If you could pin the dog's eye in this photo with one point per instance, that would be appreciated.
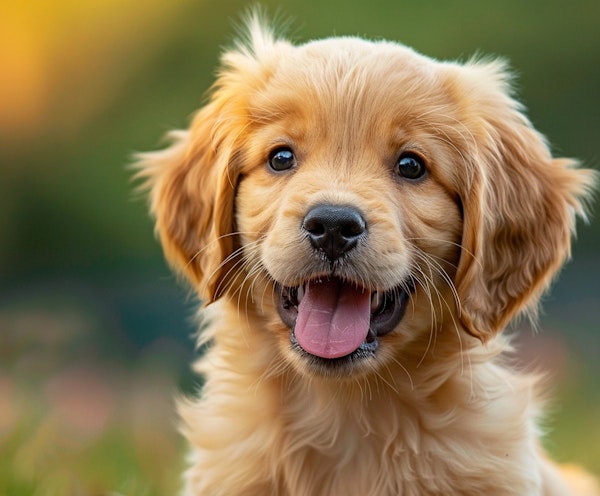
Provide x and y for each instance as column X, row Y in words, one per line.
column 282, row 159
column 410, row 166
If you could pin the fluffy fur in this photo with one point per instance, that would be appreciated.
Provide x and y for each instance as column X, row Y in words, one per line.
column 436, row 410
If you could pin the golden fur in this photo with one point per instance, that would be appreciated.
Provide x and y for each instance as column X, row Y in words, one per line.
column 436, row 410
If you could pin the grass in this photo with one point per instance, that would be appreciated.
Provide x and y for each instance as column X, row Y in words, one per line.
column 90, row 431
column 78, row 422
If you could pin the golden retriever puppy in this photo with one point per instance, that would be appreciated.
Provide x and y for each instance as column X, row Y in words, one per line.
column 361, row 222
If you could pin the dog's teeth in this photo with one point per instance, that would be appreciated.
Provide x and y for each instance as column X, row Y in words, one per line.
column 376, row 301
column 299, row 293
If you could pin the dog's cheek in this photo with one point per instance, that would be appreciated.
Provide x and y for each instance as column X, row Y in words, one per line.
column 267, row 220
column 284, row 250
column 256, row 204
column 433, row 224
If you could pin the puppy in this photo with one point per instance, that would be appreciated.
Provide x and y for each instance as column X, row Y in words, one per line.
column 361, row 222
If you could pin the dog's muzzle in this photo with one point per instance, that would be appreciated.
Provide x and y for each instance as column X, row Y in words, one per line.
column 332, row 318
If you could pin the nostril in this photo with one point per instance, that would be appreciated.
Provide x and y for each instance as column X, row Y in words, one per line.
column 314, row 225
column 334, row 229
column 353, row 227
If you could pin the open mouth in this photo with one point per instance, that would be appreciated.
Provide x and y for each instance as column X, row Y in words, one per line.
column 334, row 319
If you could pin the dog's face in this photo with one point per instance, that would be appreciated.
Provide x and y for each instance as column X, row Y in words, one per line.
column 357, row 197
column 344, row 209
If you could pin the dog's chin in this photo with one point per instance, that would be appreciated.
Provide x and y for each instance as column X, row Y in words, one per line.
column 379, row 314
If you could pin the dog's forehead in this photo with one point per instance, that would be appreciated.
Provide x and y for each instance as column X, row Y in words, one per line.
column 352, row 63
column 352, row 79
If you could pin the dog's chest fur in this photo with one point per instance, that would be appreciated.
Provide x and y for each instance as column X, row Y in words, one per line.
column 296, row 436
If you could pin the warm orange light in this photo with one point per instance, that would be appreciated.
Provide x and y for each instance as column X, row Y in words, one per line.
column 61, row 61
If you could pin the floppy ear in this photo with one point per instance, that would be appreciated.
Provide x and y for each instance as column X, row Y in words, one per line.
column 191, row 189
column 519, row 207
column 192, row 183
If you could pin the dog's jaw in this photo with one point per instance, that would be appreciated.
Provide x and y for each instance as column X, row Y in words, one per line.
column 348, row 326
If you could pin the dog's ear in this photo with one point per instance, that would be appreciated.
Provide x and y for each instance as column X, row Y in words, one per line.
column 192, row 183
column 519, row 205
column 191, row 189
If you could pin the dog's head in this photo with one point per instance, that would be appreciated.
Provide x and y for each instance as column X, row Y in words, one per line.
column 357, row 196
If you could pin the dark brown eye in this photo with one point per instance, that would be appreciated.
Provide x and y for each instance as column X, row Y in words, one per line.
column 282, row 159
column 410, row 166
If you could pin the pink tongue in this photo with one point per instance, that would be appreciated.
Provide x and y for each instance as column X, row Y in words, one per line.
column 333, row 318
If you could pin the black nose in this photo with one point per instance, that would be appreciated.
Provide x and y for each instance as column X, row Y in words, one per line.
column 334, row 229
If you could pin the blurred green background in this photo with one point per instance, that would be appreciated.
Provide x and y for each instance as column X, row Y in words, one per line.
column 95, row 333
